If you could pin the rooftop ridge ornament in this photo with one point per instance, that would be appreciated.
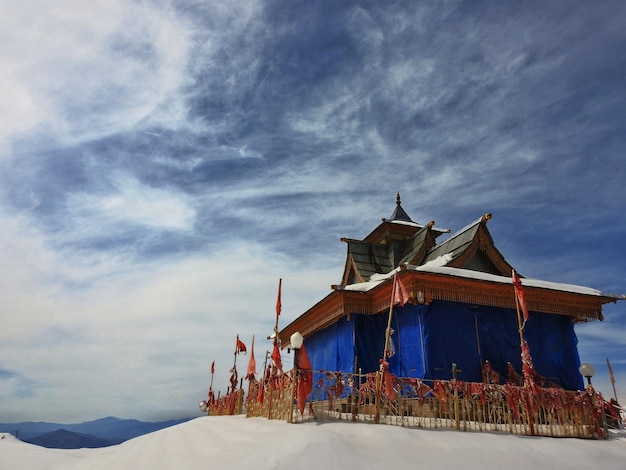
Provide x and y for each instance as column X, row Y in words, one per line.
column 399, row 213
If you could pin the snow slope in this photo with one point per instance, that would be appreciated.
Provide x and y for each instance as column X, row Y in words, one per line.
column 234, row 442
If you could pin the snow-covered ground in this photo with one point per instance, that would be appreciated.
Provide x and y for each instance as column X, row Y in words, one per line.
column 234, row 442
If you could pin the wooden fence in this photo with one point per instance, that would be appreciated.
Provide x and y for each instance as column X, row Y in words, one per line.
column 231, row 404
column 421, row 403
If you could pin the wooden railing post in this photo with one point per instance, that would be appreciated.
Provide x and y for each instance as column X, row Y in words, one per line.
column 292, row 394
column 457, row 422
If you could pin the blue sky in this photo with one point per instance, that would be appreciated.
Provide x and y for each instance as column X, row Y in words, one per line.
column 164, row 163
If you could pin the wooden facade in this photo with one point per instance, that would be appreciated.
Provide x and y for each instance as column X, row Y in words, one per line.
column 435, row 286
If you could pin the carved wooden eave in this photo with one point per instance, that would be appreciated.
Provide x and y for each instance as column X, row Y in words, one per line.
column 327, row 311
column 436, row 286
column 350, row 268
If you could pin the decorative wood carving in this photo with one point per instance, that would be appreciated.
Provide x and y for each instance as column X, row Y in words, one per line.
column 436, row 286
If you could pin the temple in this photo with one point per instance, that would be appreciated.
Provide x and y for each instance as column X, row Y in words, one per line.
column 461, row 309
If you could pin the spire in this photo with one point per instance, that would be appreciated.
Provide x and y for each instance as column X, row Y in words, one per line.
column 399, row 213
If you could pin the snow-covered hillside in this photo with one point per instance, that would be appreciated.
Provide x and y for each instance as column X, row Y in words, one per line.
column 234, row 442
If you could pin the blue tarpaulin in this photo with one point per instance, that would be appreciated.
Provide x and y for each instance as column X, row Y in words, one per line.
column 428, row 338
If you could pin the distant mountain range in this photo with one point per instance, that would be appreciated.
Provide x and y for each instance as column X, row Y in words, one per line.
column 62, row 439
column 99, row 433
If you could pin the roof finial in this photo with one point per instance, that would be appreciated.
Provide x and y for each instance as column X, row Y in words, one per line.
column 398, row 198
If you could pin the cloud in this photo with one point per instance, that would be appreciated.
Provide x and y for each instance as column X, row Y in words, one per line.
column 72, row 73
column 15, row 386
column 157, row 159
column 133, row 203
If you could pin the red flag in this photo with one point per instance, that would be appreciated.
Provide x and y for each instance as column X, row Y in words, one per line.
column 240, row 348
column 276, row 356
column 305, row 378
column 610, row 372
column 519, row 292
column 388, row 381
column 261, row 396
column 213, row 367
column 398, row 293
column 279, row 305
column 251, row 363
column 265, row 380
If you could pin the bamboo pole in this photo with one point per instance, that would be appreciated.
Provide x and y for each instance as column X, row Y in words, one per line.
column 456, row 398
column 379, row 375
column 292, row 394
column 531, row 427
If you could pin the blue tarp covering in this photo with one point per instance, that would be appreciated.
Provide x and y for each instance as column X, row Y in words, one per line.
column 429, row 338
column 332, row 349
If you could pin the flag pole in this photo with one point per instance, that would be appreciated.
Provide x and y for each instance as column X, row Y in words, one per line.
column 211, row 395
column 528, row 380
column 236, row 349
column 379, row 375
column 398, row 292
column 276, row 349
column 278, row 305
column 519, row 319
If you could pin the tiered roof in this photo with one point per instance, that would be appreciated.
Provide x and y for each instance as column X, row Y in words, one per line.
column 466, row 267
column 400, row 241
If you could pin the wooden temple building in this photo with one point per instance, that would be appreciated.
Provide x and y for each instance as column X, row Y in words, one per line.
column 461, row 309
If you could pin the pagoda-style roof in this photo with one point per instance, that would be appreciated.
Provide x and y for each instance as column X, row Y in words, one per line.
column 399, row 241
column 466, row 267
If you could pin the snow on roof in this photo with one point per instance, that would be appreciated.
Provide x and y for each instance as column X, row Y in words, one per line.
column 466, row 273
column 415, row 224
column 438, row 266
column 403, row 222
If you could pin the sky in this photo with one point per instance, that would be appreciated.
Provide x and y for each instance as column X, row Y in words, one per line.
column 219, row 440
column 164, row 163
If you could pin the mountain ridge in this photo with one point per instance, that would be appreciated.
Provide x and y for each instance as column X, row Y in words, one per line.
column 114, row 430
column 63, row 439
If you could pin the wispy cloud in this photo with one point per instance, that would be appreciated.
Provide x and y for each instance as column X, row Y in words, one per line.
column 162, row 164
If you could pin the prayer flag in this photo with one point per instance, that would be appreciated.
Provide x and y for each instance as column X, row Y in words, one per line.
column 519, row 292
column 399, row 294
column 241, row 348
column 278, row 302
column 388, row 381
column 610, row 372
column 305, row 378
column 251, row 363
column 276, row 356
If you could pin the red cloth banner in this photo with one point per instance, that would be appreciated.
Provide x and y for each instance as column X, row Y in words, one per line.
column 276, row 357
column 388, row 381
column 610, row 372
column 279, row 304
column 305, row 378
column 240, row 348
column 251, row 363
column 519, row 292
column 399, row 294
